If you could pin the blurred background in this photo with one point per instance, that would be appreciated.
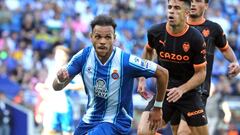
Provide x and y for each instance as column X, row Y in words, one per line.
column 30, row 29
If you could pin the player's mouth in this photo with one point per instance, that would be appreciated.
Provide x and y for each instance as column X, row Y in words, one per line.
column 171, row 18
column 102, row 48
column 193, row 9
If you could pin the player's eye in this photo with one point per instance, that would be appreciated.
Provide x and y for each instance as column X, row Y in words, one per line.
column 108, row 37
column 177, row 7
column 97, row 37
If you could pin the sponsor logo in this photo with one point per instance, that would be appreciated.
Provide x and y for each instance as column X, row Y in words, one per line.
column 189, row 114
column 173, row 56
column 137, row 60
column 100, row 89
column 115, row 75
column 204, row 52
column 162, row 42
column 144, row 63
column 186, row 46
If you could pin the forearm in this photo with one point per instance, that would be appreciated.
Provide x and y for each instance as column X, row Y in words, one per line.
column 196, row 80
column 59, row 85
column 162, row 82
column 148, row 53
column 230, row 56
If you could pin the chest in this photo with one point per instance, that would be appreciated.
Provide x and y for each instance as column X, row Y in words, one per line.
column 174, row 49
column 210, row 35
column 101, row 76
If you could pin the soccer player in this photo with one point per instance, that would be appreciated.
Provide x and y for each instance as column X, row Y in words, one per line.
column 108, row 75
column 180, row 49
column 57, row 106
column 214, row 37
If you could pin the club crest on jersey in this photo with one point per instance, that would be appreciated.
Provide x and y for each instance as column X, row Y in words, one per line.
column 206, row 32
column 115, row 75
column 186, row 46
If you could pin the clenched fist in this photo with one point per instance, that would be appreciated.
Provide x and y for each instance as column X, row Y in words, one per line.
column 62, row 75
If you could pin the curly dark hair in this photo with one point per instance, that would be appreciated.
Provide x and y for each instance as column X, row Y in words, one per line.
column 103, row 20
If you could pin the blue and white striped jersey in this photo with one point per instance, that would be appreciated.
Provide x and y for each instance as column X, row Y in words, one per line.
column 109, row 86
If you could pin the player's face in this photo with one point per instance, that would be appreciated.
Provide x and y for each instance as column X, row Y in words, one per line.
column 177, row 12
column 103, row 38
column 198, row 8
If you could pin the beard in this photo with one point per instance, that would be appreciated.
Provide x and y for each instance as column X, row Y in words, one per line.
column 194, row 15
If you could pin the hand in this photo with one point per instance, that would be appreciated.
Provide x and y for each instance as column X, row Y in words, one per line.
column 234, row 69
column 141, row 88
column 63, row 75
column 155, row 119
column 174, row 94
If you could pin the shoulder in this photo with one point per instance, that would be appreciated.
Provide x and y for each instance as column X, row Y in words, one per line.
column 127, row 57
column 84, row 51
column 195, row 33
column 214, row 25
column 157, row 28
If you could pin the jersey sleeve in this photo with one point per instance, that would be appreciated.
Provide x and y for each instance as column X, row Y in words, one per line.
column 220, row 40
column 138, row 67
column 199, row 50
column 75, row 65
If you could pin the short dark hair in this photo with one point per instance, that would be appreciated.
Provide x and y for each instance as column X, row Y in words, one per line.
column 187, row 2
column 206, row 1
column 103, row 20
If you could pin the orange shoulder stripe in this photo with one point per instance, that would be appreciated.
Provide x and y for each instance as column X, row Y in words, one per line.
column 224, row 48
column 200, row 65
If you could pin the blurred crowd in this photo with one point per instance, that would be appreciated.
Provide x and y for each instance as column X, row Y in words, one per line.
column 30, row 29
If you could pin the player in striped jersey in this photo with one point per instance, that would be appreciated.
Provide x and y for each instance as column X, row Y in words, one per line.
column 108, row 75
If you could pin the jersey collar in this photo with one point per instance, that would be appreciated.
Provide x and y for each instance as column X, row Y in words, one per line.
column 178, row 34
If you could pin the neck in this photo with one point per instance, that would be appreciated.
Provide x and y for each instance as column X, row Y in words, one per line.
column 103, row 59
column 196, row 20
column 177, row 29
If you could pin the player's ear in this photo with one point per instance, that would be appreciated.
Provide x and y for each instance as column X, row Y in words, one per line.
column 91, row 36
column 187, row 12
column 206, row 6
